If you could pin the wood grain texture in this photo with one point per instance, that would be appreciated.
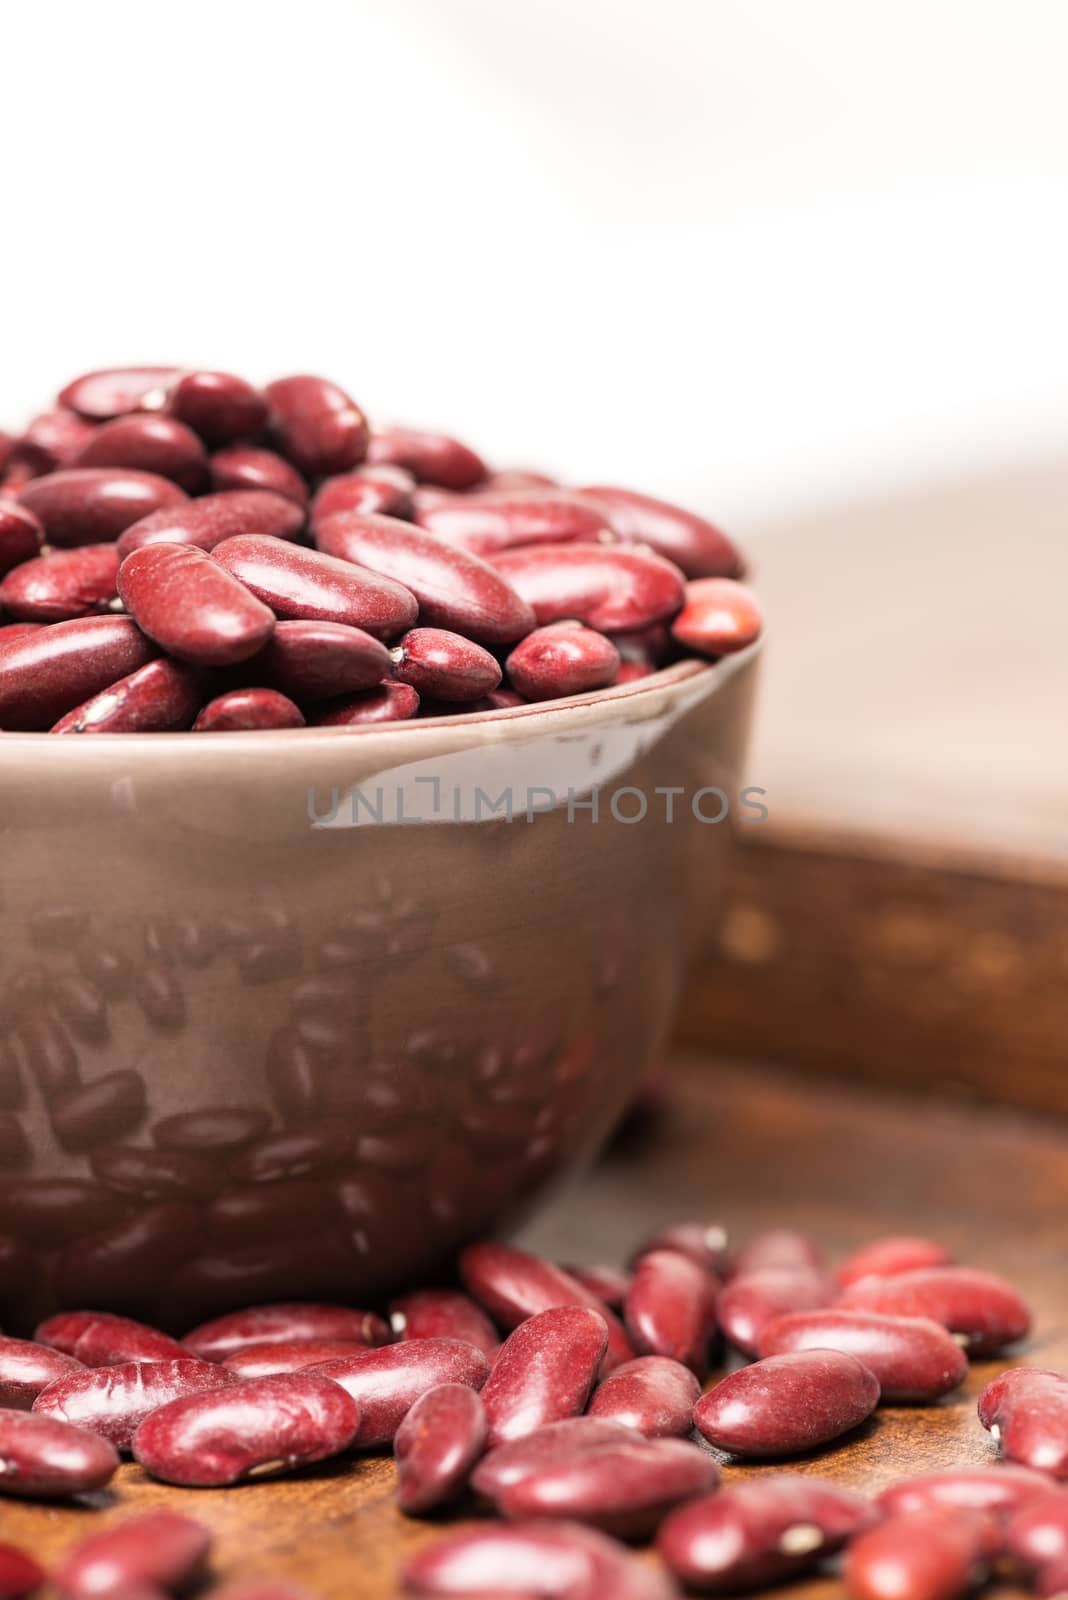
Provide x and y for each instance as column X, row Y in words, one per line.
column 755, row 1149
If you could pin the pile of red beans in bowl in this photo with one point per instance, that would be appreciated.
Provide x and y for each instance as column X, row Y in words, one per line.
column 567, row 1402
column 180, row 550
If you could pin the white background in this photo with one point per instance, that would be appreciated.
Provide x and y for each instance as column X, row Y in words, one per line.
column 752, row 253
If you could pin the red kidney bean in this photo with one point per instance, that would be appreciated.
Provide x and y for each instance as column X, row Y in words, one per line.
column 245, row 710
column 437, row 1445
column 611, row 588
column 442, row 664
column 81, row 1007
column 887, row 1258
column 778, row 1249
column 154, row 1175
column 624, row 1488
column 86, row 1116
column 214, row 517
column 786, row 1404
column 18, row 630
column 113, row 1401
column 52, row 440
column 130, row 1261
column 928, row 1555
column 386, row 1383
column 718, row 617
column 697, row 546
column 43, row 1459
column 670, row 1309
column 533, row 1561
column 430, row 457
column 455, row 590
column 915, row 1360
column 282, row 1324
column 704, row 1243
column 1036, row 1534
column 157, row 1547
column 289, row 1355
column 654, row 1395
column 984, row 1308
column 192, row 606
column 243, row 467
column 46, row 674
column 309, row 586
column 281, row 1157
column 48, row 1051
column 146, row 443
column 255, row 1428
column 49, row 1211
column 102, row 1339
column 21, row 535
column 996, row 1490
column 506, row 519
column 212, row 1129
column 605, row 1283
column 26, row 1368
column 382, row 489
column 248, row 1212
column 759, row 1533
column 514, row 1285
column 19, row 1573
column 93, row 505
column 556, row 1441
column 390, row 702
column 163, row 697
column 114, row 391
column 319, row 427
column 1026, row 1410
column 632, row 672
column 748, row 1303
column 216, row 405
column 561, row 660
column 443, row 1314
column 544, row 1371
column 55, row 588
column 320, row 660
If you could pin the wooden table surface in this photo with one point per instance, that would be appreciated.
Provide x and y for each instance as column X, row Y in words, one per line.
column 755, row 1149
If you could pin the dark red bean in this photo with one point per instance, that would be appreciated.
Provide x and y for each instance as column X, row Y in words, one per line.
column 604, row 1283
column 255, row 1428
column 320, row 660
column 984, row 1308
column 101, row 1339
column 213, row 1129
column 886, row 1258
column 697, row 546
column 19, row 1573
column 26, row 1368
column 21, row 535
column 214, row 517
column 513, row 1285
column 319, row 427
column 284, row 1323
column 533, row 1561
column 154, row 1175
column 544, row 1371
column 915, row 1360
column 130, row 1262
column 289, row 1355
column 43, row 1459
column 748, row 1303
column 245, row 467
column 157, row 1547
column 443, row 1314
column 309, row 586
column 163, row 697
column 386, row 1383
column 1036, row 1534
column 437, row 1445
column 443, row 665
column 48, row 1051
column 755, row 1534
column 611, row 588
column 653, row 1395
column 46, row 674
column 383, row 489
column 624, row 1488
column 49, row 1211
column 245, row 710
column 556, row 1441
column 216, row 405
column 282, row 1157
column 561, row 660
column 390, row 702
column 779, row 1249
column 98, row 1111
column 702, row 1242
column 455, row 589
column 1026, row 1410
column 81, row 1006
column 93, row 505
column 14, row 1145
column 69, row 583
column 193, row 606
column 670, row 1309
column 430, row 457
column 147, row 444
column 997, row 1490
column 505, row 519
column 113, row 1401
column 246, row 1213
column 929, row 1555
column 160, row 996
column 52, row 439
column 115, row 391
column 718, row 617
column 787, row 1404
column 106, row 967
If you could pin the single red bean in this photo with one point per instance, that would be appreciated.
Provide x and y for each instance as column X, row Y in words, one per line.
column 214, row 517
column 18, row 630
column 437, row 1445
column 147, row 444
column 984, row 1308
column 104, row 1109
column 246, row 710
column 21, row 535
column 27, row 1367
column 213, row 1129
column 611, row 588
column 113, row 1401
column 887, row 1258
column 192, row 606
column 997, row 1490
column 632, row 672
column 561, row 660
column 915, row 1360
column 154, row 1175
column 157, row 1547
column 48, row 1051
column 748, row 1303
column 163, row 697
column 704, row 1243
column 52, row 440
column 786, row 1404
column 255, row 1428
column 1036, row 1534
column 430, row 457
column 386, row 1383
column 45, row 674
column 93, row 505
column 320, row 660
column 928, row 1555
column 443, row 1314
column 505, row 519
column 243, row 467
column 1026, row 1410
column 670, row 1309
column 654, row 1395
column 319, row 427
column 114, row 391
column 779, row 1249
column 756, row 1534
column 43, row 1459
column 69, row 583
column 514, row 1285
column 443, row 665
column 718, row 616
column 310, row 586
column 19, row 1573
column 454, row 589
column 624, row 1488
column 556, row 1441
column 390, row 702
column 282, row 1324
column 49, row 1211
column 697, row 546
column 607, row 1284
column 101, row 1339
column 533, row 1561
column 382, row 489
column 216, row 405
column 544, row 1371
column 289, row 1355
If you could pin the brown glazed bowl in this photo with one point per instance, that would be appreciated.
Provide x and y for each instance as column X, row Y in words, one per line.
column 265, row 1034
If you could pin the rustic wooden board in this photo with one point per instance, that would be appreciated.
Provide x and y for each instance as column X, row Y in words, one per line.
column 756, row 1149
